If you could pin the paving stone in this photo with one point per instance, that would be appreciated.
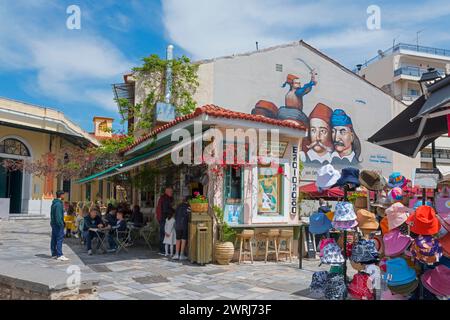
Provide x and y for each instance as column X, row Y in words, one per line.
column 145, row 296
column 111, row 295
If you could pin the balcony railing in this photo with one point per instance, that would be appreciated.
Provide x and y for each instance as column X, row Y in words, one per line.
column 410, row 47
column 439, row 154
column 413, row 71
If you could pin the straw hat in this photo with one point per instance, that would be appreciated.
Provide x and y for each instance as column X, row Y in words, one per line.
column 372, row 180
column 366, row 220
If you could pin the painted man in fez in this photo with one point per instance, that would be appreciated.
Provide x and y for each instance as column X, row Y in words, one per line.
column 319, row 145
column 347, row 147
column 294, row 97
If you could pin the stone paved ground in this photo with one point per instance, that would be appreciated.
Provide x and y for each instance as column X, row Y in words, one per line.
column 142, row 274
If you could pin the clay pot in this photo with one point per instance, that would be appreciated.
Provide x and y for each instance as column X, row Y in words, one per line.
column 224, row 252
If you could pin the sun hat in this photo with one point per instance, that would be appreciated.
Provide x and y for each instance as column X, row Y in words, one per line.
column 396, row 214
column 318, row 281
column 327, row 176
column 384, row 225
column 365, row 252
column 330, row 215
column 319, row 223
column 366, row 220
column 397, row 180
column 344, row 225
column 424, row 221
column 382, row 202
column 335, row 288
column 426, row 249
column 395, row 243
column 359, row 287
column 395, row 194
column 332, row 254
column 405, row 289
column 349, row 175
column 388, row 295
column 372, row 180
column 323, row 243
column 398, row 272
column 344, row 212
column 437, row 280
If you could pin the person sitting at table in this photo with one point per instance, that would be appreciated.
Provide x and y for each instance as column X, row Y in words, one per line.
column 79, row 221
column 69, row 219
column 110, row 216
column 92, row 221
column 137, row 217
column 121, row 225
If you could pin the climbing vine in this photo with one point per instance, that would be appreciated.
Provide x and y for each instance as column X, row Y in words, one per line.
column 152, row 77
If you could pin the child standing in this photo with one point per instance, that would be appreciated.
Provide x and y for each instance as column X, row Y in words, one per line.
column 169, row 229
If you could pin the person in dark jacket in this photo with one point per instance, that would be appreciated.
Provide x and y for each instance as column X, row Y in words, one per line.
column 137, row 217
column 165, row 205
column 57, row 224
column 120, row 225
column 93, row 220
column 181, row 228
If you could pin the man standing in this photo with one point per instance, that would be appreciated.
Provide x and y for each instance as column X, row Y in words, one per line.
column 346, row 144
column 163, row 208
column 294, row 97
column 181, row 229
column 319, row 146
column 57, row 224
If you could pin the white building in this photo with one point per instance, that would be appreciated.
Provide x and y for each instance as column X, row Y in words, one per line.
column 266, row 77
column 397, row 71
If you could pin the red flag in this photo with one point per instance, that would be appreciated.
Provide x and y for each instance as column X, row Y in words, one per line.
column 448, row 124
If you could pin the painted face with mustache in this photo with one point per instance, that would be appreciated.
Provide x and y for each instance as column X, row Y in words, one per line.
column 342, row 140
column 320, row 136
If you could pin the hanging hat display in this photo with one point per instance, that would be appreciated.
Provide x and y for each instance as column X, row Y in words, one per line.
column 395, row 194
column 437, row 281
column 365, row 252
column 395, row 243
column 424, row 221
column 384, row 225
column 319, row 223
column 335, row 288
column 396, row 214
column 426, row 249
column 404, row 289
column 327, row 176
column 397, row 180
column 398, row 272
column 323, row 243
column 372, row 180
column 344, row 212
column 349, row 176
column 332, row 254
column 318, row 281
column 366, row 220
column 359, row 287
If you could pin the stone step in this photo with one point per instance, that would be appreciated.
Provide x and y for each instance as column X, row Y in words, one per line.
column 27, row 217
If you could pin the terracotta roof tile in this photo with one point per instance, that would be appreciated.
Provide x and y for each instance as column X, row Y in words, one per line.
column 216, row 111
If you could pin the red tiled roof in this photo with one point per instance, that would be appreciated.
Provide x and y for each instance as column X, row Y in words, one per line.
column 215, row 111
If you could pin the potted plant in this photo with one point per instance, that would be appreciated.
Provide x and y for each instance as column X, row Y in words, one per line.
column 224, row 248
column 199, row 203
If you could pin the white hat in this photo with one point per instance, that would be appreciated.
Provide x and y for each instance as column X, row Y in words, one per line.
column 327, row 176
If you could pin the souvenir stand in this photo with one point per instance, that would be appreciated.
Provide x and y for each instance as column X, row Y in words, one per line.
column 414, row 246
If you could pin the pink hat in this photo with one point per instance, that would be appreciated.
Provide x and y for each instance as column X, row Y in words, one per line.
column 396, row 215
column 388, row 295
column 395, row 243
column 437, row 280
column 396, row 194
column 323, row 243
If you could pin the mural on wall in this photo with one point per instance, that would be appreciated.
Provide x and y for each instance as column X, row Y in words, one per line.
column 331, row 136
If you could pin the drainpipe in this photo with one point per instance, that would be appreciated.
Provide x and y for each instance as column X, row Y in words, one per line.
column 169, row 57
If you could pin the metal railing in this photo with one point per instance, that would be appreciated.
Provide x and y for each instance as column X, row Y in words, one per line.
column 406, row 46
column 413, row 71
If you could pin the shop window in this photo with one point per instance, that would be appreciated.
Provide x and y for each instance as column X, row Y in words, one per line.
column 270, row 191
column 233, row 185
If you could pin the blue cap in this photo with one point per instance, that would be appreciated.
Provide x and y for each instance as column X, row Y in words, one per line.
column 340, row 118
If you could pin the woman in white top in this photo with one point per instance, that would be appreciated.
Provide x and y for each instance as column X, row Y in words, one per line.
column 170, row 237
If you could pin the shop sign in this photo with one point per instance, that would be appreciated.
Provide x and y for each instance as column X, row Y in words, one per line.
column 294, row 179
column 273, row 149
column 426, row 178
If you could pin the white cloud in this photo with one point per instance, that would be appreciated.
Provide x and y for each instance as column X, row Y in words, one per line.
column 66, row 63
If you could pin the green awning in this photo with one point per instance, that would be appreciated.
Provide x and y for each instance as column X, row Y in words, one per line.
column 119, row 167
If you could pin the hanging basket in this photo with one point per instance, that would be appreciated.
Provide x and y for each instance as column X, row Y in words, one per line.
column 199, row 207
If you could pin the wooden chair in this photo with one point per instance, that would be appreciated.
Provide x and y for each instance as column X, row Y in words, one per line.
column 287, row 236
column 246, row 238
column 270, row 240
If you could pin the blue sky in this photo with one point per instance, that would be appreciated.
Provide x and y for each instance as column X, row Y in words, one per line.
column 44, row 63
